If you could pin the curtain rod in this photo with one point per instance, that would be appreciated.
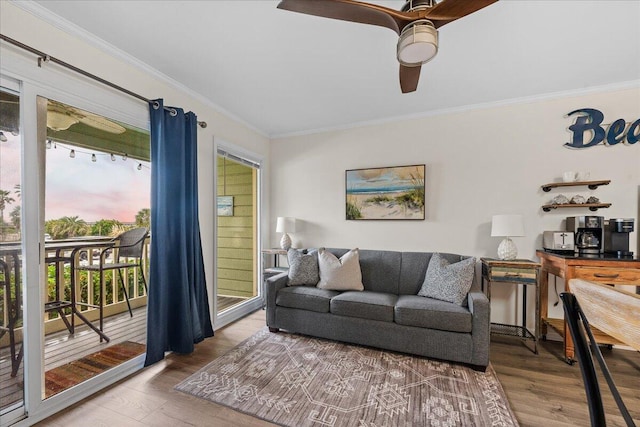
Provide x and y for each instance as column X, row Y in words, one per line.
column 43, row 57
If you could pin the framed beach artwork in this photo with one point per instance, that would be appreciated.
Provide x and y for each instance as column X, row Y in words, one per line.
column 225, row 205
column 386, row 193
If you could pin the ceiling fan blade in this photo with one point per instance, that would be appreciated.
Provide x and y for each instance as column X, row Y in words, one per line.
column 449, row 10
column 100, row 123
column 353, row 11
column 409, row 77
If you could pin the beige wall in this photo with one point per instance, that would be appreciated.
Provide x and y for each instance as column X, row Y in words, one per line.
column 478, row 163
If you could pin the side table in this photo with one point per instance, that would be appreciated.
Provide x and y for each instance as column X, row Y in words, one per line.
column 517, row 271
column 272, row 271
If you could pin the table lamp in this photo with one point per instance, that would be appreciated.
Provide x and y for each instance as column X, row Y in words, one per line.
column 507, row 226
column 285, row 225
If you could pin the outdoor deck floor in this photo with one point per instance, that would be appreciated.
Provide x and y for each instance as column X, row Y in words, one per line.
column 61, row 348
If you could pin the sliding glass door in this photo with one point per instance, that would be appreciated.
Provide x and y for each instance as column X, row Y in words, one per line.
column 97, row 188
column 237, row 261
column 11, row 256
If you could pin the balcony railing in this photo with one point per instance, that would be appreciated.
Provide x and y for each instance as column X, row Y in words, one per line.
column 86, row 284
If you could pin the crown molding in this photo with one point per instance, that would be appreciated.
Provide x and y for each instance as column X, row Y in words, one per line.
column 633, row 84
column 74, row 30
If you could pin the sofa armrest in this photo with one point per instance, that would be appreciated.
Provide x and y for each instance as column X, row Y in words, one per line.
column 480, row 309
column 274, row 284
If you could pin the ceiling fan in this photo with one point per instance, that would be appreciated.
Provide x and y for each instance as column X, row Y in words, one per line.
column 416, row 23
column 61, row 117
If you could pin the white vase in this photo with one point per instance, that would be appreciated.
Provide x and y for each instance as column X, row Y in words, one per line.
column 285, row 242
column 507, row 249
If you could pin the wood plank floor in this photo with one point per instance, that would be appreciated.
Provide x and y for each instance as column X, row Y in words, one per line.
column 542, row 389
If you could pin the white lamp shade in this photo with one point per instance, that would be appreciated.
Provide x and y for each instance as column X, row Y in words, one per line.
column 507, row 226
column 286, row 224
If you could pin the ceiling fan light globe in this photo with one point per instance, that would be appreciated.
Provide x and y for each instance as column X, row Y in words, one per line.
column 418, row 44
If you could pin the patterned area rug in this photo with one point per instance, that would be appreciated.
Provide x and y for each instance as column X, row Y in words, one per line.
column 73, row 373
column 296, row 381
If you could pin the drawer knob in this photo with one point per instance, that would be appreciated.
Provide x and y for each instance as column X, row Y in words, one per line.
column 606, row 276
column 512, row 275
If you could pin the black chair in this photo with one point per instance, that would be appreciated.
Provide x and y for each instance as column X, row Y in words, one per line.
column 13, row 315
column 129, row 244
column 574, row 315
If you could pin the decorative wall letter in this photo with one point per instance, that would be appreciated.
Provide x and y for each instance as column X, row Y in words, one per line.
column 589, row 120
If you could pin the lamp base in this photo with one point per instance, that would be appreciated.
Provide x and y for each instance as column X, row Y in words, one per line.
column 285, row 242
column 507, row 249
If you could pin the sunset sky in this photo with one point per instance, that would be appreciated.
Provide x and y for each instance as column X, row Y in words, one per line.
column 79, row 187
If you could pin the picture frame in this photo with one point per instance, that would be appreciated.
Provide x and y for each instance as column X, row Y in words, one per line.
column 385, row 193
column 225, row 205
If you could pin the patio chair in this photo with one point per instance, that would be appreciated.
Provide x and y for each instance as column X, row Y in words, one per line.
column 129, row 244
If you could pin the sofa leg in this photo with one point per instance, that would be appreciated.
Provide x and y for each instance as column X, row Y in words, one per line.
column 274, row 329
column 478, row 368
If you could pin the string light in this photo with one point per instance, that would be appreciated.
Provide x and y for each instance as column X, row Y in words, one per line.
column 94, row 156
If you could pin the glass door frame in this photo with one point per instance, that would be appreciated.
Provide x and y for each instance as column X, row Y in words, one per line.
column 19, row 408
column 255, row 303
column 70, row 89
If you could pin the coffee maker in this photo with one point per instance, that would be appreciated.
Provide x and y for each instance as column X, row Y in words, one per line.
column 616, row 237
column 589, row 233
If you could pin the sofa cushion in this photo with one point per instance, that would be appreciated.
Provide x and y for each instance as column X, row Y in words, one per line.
column 366, row 305
column 303, row 267
column 305, row 298
column 340, row 274
column 414, row 310
column 448, row 281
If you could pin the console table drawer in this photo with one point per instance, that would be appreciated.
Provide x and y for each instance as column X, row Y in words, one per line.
column 630, row 276
column 509, row 274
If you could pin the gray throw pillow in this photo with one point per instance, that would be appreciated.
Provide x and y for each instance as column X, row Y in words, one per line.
column 303, row 267
column 448, row 282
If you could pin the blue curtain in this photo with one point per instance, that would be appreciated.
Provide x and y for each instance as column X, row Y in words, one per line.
column 178, row 305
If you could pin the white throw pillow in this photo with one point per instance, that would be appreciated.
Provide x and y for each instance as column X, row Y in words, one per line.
column 340, row 274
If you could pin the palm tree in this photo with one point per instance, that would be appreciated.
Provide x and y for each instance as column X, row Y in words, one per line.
column 15, row 217
column 5, row 199
column 67, row 226
column 143, row 217
column 104, row 227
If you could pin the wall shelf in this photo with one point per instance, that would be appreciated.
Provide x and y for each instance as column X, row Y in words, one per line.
column 592, row 206
column 591, row 184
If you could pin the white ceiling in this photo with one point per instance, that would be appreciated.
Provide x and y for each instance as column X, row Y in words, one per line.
column 283, row 72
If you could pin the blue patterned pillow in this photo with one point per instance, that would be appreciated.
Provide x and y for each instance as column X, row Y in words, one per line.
column 303, row 267
column 448, row 282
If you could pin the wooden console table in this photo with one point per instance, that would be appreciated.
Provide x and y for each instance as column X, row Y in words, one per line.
column 602, row 269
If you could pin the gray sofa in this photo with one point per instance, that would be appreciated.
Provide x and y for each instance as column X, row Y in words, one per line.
column 388, row 314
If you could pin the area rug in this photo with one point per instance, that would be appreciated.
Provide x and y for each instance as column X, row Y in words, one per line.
column 73, row 373
column 296, row 381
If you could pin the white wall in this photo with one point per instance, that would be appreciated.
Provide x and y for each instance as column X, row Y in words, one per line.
column 478, row 163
